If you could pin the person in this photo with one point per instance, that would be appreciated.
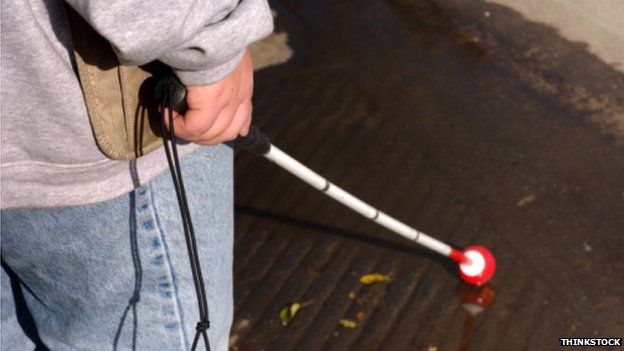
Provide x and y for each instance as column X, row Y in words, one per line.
column 93, row 250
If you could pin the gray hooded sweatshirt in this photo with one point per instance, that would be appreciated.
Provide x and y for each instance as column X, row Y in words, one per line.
column 49, row 154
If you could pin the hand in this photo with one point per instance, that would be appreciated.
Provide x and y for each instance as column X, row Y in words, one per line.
column 220, row 111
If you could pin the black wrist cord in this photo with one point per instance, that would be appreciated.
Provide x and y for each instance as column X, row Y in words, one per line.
column 189, row 233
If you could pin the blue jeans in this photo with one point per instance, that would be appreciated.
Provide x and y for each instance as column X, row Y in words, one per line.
column 115, row 275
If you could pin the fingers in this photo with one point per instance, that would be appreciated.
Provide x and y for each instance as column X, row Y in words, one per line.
column 226, row 126
column 240, row 120
column 245, row 130
column 197, row 121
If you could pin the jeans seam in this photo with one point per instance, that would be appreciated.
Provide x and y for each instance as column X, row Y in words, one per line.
column 161, row 231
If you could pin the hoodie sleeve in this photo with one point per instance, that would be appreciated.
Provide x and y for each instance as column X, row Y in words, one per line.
column 202, row 40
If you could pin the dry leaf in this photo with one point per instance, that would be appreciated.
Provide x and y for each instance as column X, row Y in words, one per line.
column 360, row 316
column 288, row 313
column 352, row 295
column 374, row 278
column 347, row 323
column 285, row 315
column 525, row 200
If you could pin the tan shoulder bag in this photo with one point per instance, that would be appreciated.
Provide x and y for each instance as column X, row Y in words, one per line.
column 117, row 97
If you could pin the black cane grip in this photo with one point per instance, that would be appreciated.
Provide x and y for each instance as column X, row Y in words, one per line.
column 255, row 142
column 170, row 85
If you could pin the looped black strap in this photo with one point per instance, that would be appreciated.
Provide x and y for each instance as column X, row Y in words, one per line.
column 134, row 299
column 166, row 97
column 203, row 326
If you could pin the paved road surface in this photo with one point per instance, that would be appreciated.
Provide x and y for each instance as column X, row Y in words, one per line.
column 465, row 120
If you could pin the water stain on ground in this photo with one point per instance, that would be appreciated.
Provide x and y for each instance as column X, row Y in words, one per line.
column 474, row 300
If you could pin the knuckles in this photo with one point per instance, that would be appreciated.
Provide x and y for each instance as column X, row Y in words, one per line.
column 230, row 135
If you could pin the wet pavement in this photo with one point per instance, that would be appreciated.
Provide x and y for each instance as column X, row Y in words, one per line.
column 466, row 121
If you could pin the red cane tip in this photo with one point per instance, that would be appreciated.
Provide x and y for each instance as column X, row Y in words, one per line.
column 458, row 256
column 481, row 266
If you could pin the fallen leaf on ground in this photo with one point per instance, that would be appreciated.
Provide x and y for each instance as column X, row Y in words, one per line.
column 347, row 323
column 368, row 279
column 525, row 200
column 360, row 316
column 288, row 313
column 352, row 295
